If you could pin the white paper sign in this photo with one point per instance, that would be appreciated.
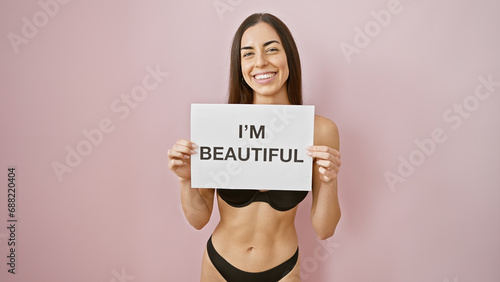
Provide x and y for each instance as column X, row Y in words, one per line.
column 252, row 146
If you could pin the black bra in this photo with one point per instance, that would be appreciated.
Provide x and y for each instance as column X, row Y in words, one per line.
column 278, row 200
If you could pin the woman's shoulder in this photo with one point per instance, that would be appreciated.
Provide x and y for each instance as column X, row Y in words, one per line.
column 326, row 131
column 322, row 123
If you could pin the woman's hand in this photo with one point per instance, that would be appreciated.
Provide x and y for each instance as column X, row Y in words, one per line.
column 180, row 158
column 328, row 160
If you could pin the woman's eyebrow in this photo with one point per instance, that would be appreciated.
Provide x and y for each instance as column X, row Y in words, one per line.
column 270, row 42
column 265, row 44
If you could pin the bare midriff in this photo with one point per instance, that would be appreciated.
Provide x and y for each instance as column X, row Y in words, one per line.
column 256, row 237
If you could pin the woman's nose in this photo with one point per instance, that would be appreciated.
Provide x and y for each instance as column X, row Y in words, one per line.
column 261, row 60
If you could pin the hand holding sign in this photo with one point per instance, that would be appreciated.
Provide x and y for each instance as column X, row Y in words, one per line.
column 328, row 160
column 180, row 158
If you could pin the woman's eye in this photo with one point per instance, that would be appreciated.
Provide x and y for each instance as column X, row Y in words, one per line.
column 272, row 50
column 247, row 54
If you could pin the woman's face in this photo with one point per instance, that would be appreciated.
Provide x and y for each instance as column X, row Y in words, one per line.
column 263, row 61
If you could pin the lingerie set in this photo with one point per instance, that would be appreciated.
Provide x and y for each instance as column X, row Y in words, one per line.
column 279, row 200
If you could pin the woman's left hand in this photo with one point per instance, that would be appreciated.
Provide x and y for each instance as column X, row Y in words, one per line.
column 328, row 160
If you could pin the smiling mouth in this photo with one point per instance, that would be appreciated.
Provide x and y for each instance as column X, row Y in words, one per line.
column 263, row 76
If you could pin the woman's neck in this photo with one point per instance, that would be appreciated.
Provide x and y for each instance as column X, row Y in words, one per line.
column 280, row 98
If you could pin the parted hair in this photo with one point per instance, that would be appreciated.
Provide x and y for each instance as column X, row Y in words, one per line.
column 239, row 91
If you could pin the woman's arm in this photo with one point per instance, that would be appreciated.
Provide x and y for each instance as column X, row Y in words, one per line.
column 197, row 204
column 325, row 212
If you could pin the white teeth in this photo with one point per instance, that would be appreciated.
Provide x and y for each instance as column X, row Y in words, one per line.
column 265, row 75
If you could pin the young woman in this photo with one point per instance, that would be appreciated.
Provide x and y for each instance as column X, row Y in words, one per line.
column 256, row 239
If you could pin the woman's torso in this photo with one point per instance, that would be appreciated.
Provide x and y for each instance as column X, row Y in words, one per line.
column 260, row 232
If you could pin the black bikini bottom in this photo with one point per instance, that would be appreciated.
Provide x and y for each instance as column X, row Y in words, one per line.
column 233, row 274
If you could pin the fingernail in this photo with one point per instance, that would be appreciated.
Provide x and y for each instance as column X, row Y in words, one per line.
column 193, row 152
column 309, row 153
column 194, row 146
column 308, row 147
column 187, row 156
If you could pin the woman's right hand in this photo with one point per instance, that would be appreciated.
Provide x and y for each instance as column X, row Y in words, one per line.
column 180, row 158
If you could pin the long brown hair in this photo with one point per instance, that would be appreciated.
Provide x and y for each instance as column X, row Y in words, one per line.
column 239, row 91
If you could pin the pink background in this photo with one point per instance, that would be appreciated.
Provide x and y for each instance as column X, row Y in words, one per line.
column 117, row 214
